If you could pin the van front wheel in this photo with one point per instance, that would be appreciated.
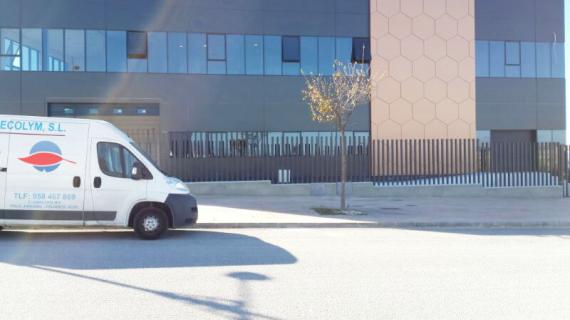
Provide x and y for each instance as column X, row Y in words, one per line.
column 150, row 223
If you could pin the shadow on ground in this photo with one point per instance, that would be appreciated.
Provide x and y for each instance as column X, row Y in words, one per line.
column 122, row 249
column 231, row 308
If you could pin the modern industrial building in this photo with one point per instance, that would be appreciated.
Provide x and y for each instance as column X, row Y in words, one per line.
column 444, row 68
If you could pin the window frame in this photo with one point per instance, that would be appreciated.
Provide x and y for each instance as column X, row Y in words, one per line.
column 12, row 57
column 366, row 56
column 284, row 57
column 137, row 55
column 518, row 43
column 224, row 42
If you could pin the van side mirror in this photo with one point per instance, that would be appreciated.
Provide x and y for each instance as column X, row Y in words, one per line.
column 137, row 171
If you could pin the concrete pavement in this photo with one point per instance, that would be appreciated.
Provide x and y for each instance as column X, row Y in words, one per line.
column 287, row 274
column 244, row 211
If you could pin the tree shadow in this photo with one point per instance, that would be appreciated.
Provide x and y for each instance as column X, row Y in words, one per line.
column 226, row 307
column 122, row 250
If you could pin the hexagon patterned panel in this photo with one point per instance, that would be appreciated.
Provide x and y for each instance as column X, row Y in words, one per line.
column 423, row 66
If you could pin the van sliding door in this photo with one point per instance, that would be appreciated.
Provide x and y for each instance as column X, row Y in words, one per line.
column 46, row 176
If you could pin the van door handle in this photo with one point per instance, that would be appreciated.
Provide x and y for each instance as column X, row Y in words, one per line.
column 3, row 169
column 97, row 182
column 76, row 182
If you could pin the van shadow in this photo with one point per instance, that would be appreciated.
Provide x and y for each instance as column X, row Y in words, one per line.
column 122, row 250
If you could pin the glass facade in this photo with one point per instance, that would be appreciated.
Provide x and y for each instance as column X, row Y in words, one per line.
column 272, row 55
column 216, row 54
column 197, row 52
column 116, row 51
column 519, row 59
column 235, row 45
column 76, row 50
column 177, row 53
column 157, row 52
column 95, row 50
column 10, row 50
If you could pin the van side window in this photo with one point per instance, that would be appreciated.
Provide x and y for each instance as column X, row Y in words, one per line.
column 110, row 159
column 115, row 160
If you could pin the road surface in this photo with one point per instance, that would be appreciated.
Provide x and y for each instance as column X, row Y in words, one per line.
column 287, row 274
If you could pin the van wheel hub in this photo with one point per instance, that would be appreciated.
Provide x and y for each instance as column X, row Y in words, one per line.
column 151, row 223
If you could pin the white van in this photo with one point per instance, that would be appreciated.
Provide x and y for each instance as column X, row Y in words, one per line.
column 74, row 172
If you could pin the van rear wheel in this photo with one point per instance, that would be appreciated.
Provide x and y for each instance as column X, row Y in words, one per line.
column 150, row 223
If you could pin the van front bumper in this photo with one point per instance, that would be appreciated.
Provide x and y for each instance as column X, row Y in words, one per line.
column 184, row 209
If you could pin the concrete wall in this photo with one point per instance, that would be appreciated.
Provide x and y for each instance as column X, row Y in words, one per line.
column 507, row 103
column 424, row 67
column 188, row 102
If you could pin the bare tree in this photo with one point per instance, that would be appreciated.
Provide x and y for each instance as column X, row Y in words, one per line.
column 333, row 99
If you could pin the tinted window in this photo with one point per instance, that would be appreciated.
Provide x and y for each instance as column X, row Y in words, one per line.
column 10, row 49
column 344, row 50
column 129, row 160
column 137, row 51
column 512, row 71
column 110, row 159
column 9, row 42
column 291, row 49
column 361, row 50
column 216, row 54
column 115, row 160
column 95, row 50
column 177, row 53
column 309, row 55
column 557, row 57
column 254, row 54
column 137, row 45
column 543, row 63
column 513, row 53
column 157, row 52
column 497, row 55
column 482, row 54
column 116, row 51
column 326, row 55
column 74, row 50
column 31, row 49
column 528, row 60
column 236, row 54
column 197, row 52
column 216, row 47
column 272, row 55
column 53, row 59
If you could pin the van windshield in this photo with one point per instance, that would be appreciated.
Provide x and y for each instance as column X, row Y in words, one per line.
column 147, row 157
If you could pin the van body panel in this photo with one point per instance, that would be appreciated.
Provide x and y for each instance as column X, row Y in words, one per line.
column 4, row 143
column 57, row 175
column 46, row 172
column 115, row 193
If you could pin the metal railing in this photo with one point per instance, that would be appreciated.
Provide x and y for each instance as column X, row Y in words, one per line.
column 382, row 162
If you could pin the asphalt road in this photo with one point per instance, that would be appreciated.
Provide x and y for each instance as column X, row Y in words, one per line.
column 287, row 274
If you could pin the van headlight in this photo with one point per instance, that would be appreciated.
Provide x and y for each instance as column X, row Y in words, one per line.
column 177, row 184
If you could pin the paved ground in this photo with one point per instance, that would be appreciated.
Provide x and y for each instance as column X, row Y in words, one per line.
column 287, row 274
column 421, row 211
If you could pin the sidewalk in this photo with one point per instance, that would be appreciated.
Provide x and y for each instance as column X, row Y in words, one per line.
column 282, row 212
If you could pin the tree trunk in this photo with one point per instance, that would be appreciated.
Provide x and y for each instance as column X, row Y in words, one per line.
column 343, row 169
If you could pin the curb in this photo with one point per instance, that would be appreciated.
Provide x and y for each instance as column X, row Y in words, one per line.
column 403, row 225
